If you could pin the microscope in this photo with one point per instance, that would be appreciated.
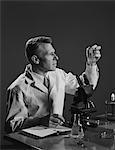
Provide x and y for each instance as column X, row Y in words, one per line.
column 82, row 105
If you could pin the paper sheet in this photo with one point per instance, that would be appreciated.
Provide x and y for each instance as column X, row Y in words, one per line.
column 45, row 131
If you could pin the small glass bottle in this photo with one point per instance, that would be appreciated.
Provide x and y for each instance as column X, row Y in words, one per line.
column 77, row 130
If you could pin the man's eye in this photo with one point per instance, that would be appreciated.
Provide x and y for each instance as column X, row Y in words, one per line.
column 52, row 54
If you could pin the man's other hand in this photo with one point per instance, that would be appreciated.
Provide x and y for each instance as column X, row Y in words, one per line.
column 55, row 120
column 93, row 54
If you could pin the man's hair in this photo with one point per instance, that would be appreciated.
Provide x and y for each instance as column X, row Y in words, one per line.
column 33, row 44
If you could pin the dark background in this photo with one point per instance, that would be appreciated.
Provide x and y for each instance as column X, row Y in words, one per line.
column 73, row 26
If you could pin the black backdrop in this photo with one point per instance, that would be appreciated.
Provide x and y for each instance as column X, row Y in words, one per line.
column 73, row 26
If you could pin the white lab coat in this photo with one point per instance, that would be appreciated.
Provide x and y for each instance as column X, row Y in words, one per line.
column 29, row 97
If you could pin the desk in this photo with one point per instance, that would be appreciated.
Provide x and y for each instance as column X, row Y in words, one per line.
column 91, row 140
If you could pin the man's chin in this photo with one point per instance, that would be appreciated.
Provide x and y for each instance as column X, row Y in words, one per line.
column 53, row 69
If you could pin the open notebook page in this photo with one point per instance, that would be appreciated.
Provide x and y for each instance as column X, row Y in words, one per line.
column 41, row 131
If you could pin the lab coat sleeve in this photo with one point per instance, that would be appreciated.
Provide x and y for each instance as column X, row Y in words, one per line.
column 92, row 73
column 16, row 109
column 71, row 83
column 57, row 92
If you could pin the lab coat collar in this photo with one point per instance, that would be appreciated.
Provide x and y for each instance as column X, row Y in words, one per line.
column 30, row 78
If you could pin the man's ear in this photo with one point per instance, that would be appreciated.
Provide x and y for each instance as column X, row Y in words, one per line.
column 35, row 59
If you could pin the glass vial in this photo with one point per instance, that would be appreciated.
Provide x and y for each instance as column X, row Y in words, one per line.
column 77, row 130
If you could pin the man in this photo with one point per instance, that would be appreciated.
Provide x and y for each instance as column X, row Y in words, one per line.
column 36, row 97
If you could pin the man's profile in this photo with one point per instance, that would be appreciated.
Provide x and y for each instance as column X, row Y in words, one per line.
column 36, row 97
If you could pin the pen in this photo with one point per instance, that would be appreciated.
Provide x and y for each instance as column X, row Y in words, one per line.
column 63, row 122
column 58, row 117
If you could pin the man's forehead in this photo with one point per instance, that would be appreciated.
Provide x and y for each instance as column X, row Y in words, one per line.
column 47, row 47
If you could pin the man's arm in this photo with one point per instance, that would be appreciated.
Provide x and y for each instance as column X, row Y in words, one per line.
column 17, row 112
column 92, row 72
column 16, row 109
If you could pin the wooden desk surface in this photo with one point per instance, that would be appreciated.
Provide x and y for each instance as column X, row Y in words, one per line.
column 92, row 141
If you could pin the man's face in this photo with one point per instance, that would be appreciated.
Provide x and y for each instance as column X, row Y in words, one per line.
column 48, row 60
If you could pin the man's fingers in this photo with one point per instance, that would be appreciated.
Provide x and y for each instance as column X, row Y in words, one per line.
column 97, row 56
column 96, row 47
column 54, row 119
column 93, row 51
column 61, row 118
column 87, row 51
column 52, row 124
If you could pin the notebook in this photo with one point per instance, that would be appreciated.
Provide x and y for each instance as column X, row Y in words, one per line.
column 41, row 131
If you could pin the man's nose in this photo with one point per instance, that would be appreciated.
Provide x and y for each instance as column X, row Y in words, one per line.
column 56, row 57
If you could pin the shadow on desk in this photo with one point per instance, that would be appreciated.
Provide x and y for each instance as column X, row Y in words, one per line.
column 11, row 144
